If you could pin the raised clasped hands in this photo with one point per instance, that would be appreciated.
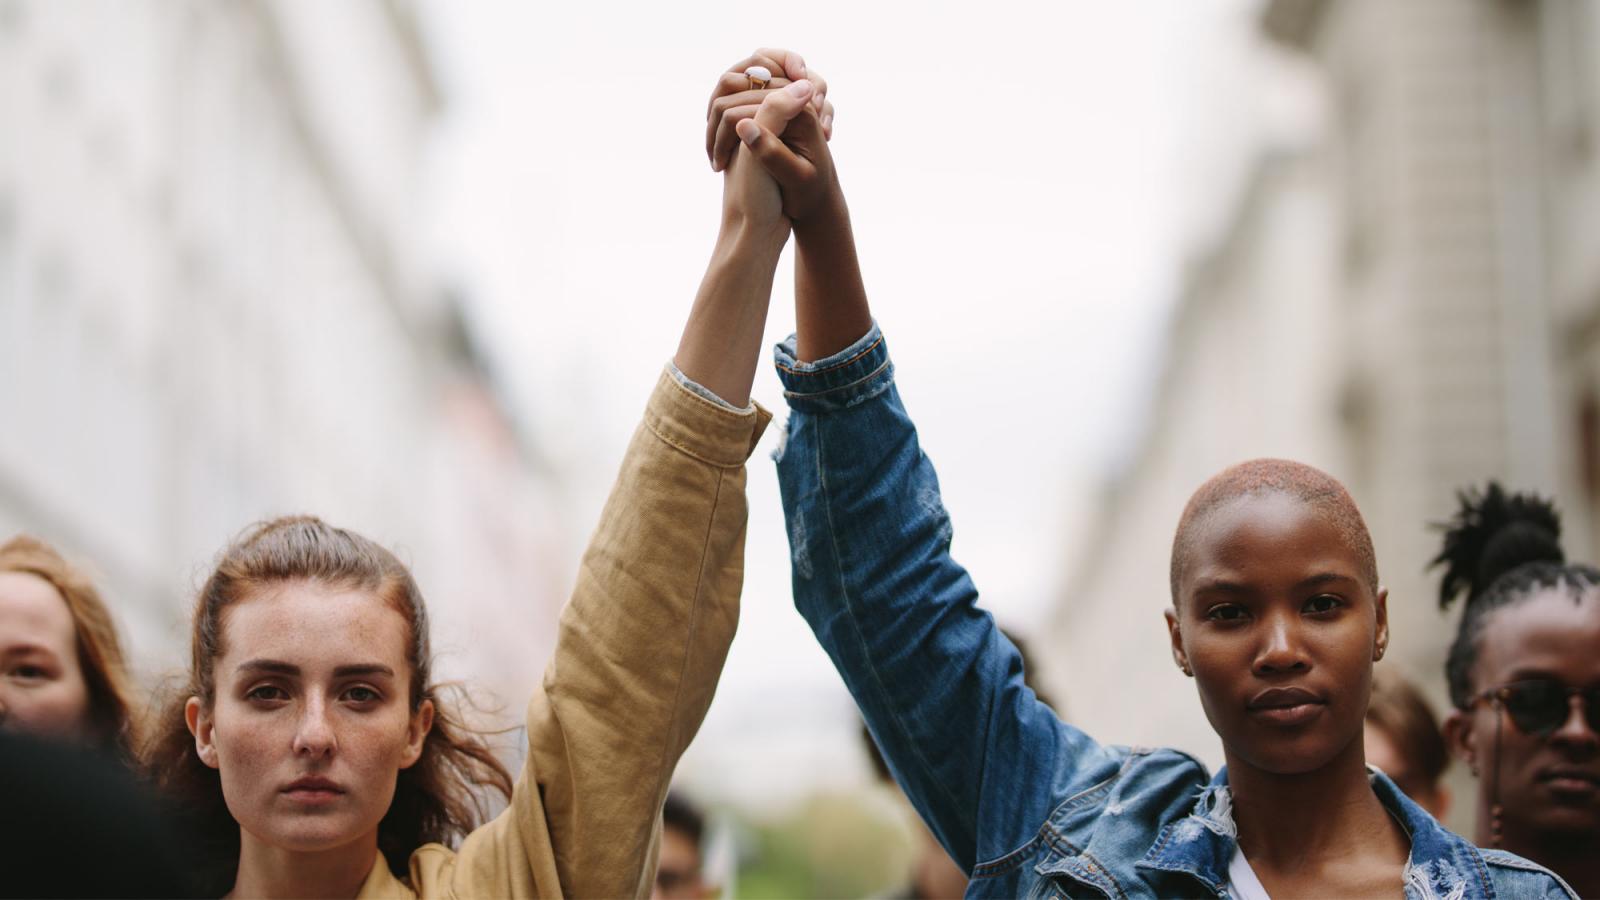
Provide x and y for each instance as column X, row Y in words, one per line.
column 785, row 127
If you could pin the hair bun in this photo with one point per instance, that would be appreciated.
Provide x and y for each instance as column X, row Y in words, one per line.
column 1492, row 533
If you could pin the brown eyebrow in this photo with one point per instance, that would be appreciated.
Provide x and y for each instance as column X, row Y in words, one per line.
column 29, row 649
column 275, row 667
column 363, row 669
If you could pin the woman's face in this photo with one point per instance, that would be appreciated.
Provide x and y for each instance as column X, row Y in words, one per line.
column 42, row 688
column 1549, row 784
column 311, row 723
column 1277, row 622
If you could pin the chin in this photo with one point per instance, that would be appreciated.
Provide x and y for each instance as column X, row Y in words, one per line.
column 1570, row 821
column 1287, row 757
column 309, row 833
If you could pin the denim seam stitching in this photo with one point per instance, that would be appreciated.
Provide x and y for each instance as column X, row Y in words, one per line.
column 838, row 365
column 807, row 395
column 1481, row 867
column 994, row 868
column 855, row 625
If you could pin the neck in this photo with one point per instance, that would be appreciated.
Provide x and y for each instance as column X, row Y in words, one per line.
column 1286, row 821
column 269, row 872
column 1570, row 856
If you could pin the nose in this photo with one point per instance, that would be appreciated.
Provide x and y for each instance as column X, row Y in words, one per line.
column 1280, row 650
column 314, row 735
column 1576, row 731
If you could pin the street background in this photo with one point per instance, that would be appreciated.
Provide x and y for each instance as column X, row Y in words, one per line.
column 414, row 266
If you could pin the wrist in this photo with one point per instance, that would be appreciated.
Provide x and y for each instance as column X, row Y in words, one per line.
column 741, row 232
column 830, row 219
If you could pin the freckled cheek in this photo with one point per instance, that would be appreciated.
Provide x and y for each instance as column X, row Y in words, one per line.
column 249, row 748
column 373, row 752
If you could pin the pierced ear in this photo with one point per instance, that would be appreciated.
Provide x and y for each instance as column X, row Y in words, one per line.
column 1175, row 634
column 417, row 733
column 198, row 718
column 1380, row 642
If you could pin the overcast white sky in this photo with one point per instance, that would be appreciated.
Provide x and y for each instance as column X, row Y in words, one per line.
column 1025, row 181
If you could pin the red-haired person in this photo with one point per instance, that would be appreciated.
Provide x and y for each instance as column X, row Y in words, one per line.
column 320, row 758
column 62, row 671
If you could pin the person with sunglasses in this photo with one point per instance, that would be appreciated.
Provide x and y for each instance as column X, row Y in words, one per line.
column 1524, row 675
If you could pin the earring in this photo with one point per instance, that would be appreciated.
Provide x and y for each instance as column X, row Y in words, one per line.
column 1186, row 670
column 1496, row 828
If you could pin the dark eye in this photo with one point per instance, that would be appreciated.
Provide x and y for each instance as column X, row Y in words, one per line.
column 32, row 673
column 1323, row 603
column 1225, row 612
column 267, row 693
column 362, row 694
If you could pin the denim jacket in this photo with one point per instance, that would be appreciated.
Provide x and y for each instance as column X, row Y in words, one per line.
column 1027, row 804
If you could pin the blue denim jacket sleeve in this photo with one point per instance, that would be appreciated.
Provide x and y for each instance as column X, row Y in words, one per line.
column 940, row 687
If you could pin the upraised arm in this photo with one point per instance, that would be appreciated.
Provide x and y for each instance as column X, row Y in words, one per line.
column 642, row 642
column 940, row 687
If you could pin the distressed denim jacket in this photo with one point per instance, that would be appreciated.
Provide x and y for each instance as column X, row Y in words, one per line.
column 1027, row 804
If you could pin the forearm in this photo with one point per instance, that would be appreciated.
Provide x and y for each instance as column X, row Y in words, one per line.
column 643, row 640
column 831, row 310
column 940, row 687
column 721, row 342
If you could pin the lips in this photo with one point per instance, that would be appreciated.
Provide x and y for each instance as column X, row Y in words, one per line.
column 1571, row 779
column 1288, row 706
column 313, row 789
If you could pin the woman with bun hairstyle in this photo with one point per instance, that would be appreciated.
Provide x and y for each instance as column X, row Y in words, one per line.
column 1524, row 675
column 318, row 755
column 62, row 673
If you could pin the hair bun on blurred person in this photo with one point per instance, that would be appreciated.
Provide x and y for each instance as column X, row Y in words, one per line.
column 1492, row 533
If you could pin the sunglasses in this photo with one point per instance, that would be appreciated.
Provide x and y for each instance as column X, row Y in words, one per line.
column 1540, row 706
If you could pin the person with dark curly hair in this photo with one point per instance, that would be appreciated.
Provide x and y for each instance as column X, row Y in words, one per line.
column 1524, row 674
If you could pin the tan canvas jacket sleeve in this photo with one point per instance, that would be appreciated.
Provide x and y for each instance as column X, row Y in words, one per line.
column 637, row 657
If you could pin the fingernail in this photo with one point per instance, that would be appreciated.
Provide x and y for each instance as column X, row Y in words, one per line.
column 827, row 121
column 748, row 131
column 799, row 88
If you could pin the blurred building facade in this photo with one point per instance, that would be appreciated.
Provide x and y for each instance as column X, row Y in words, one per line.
column 1407, row 294
column 216, row 306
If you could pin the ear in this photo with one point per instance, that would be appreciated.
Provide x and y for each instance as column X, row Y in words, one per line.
column 1175, row 634
column 1380, row 640
column 1461, row 739
column 198, row 718
column 417, row 733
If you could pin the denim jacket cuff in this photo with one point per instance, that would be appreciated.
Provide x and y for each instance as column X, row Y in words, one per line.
column 854, row 375
column 708, row 430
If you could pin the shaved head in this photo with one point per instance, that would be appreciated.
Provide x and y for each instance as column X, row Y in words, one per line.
column 1311, row 486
